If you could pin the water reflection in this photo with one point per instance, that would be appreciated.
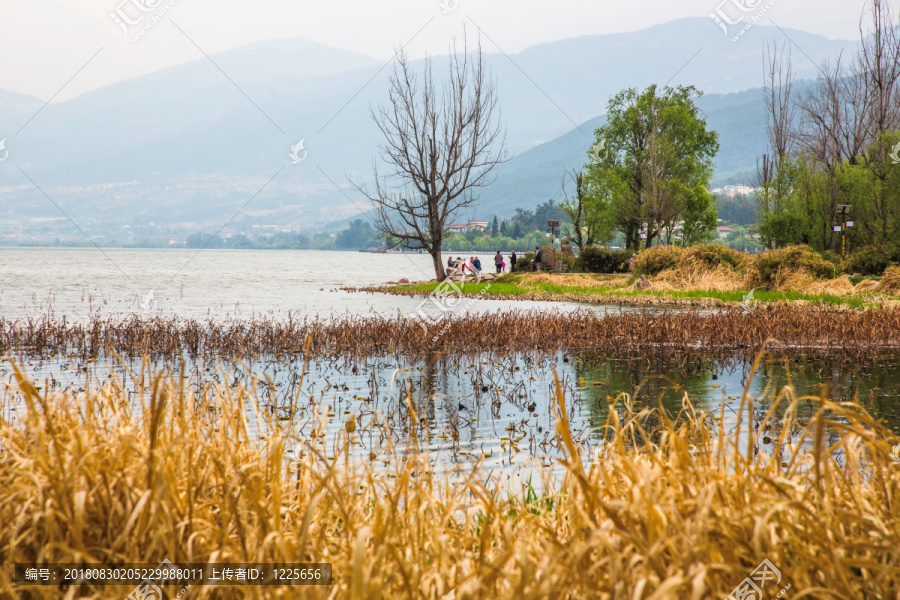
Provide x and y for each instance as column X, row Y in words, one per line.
column 494, row 407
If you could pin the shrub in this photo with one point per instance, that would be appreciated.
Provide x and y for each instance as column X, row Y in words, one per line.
column 595, row 259
column 716, row 255
column 774, row 266
column 653, row 261
column 523, row 264
column 832, row 257
column 567, row 260
column 871, row 260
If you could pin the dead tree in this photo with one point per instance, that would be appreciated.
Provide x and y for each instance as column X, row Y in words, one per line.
column 442, row 140
column 778, row 87
column 878, row 65
column 879, row 68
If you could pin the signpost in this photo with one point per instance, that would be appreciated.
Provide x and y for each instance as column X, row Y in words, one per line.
column 553, row 229
column 841, row 214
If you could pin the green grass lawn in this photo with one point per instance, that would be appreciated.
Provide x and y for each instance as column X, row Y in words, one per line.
column 517, row 285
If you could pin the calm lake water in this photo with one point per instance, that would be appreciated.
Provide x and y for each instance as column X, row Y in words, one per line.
column 214, row 283
column 498, row 408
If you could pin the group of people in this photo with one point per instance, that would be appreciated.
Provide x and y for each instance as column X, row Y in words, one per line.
column 473, row 264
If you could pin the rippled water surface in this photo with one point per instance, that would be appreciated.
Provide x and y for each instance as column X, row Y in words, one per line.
column 496, row 407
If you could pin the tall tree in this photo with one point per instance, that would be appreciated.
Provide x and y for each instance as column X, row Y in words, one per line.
column 358, row 235
column 773, row 169
column 834, row 128
column 495, row 227
column 587, row 214
column 879, row 67
column 843, row 148
column 657, row 162
column 442, row 142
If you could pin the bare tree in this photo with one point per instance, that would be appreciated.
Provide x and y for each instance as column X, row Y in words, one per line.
column 442, row 142
column 879, row 67
column 778, row 87
column 835, row 126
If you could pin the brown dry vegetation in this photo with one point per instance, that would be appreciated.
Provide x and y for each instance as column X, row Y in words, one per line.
column 708, row 267
column 682, row 508
column 587, row 280
column 890, row 282
column 826, row 330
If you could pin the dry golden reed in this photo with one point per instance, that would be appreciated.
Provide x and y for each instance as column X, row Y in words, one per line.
column 684, row 507
column 816, row 329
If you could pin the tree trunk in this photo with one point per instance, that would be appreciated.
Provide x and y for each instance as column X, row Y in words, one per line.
column 436, row 258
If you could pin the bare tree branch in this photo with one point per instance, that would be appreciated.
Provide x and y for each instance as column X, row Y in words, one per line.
column 441, row 144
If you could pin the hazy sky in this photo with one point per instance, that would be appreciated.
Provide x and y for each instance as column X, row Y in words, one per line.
column 44, row 43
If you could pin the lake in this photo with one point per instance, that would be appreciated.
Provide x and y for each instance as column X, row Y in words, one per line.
column 214, row 283
column 495, row 407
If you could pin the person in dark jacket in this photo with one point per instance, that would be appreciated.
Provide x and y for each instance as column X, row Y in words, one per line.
column 512, row 261
column 498, row 262
column 538, row 257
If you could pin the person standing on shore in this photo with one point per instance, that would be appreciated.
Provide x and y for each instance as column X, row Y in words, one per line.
column 538, row 257
column 512, row 261
column 476, row 262
column 498, row 262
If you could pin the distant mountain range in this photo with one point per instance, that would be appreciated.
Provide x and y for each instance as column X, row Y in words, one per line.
column 187, row 147
column 536, row 175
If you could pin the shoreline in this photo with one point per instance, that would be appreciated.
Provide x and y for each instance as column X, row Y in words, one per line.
column 619, row 290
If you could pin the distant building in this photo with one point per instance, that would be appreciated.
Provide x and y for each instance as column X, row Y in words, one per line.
column 723, row 231
column 463, row 228
column 730, row 191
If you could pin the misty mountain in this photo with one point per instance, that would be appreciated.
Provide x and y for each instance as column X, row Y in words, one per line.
column 188, row 146
column 537, row 175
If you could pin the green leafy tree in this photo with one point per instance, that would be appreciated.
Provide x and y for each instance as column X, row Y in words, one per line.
column 548, row 211
column 699, row 217
column 358, row 235
column 652, row 162
column 495, row 227
column 588, row 215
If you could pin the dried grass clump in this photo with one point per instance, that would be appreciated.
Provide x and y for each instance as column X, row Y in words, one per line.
column 890, row 281
column 685, row 506
column 716, row 255
column 695, row 274
column 701, row 267
column 792, row 266
column 866, row 285
column 801, row 281
column 584, row 280
column 654, row 261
